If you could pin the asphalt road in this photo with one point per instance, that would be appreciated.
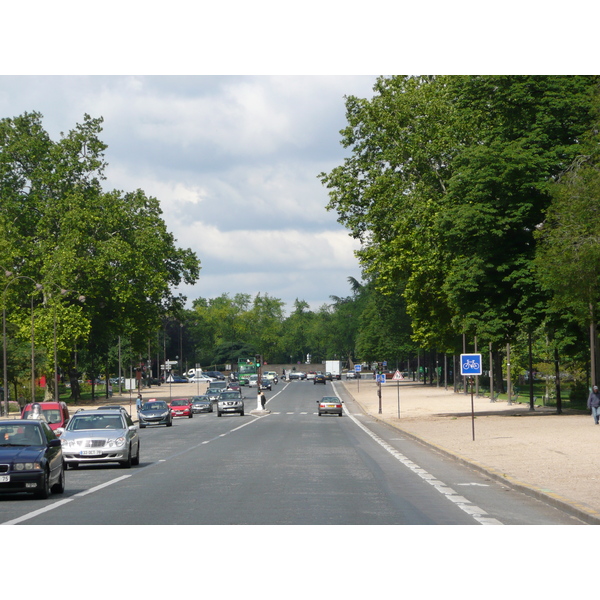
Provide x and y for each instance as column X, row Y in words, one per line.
column 288, row 467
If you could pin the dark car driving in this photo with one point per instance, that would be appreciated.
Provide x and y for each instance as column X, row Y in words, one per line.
column 155, row 412
column 31, row 458
column 201, row 404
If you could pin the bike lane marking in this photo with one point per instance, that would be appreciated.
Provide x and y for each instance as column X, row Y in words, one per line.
column 461, row 502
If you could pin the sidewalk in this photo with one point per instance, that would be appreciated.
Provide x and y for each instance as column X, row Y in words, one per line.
column 550, row 456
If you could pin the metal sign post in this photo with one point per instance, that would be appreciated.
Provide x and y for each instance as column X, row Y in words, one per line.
column 357, row 370
column 398, row 377
column 470, row 365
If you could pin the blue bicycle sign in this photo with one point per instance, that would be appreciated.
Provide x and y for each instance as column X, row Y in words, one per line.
column 470, row 364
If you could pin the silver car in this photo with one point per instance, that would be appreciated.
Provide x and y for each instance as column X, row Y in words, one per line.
column 230, row 401
column 101, row 436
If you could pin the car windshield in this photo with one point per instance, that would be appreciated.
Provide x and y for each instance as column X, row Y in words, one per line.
column 228, row 395
column 329, row 399
column 89, row 422
column 52, row 415
column 20, row 435
column 154, row 406
column 200, row 399
column 179, row 403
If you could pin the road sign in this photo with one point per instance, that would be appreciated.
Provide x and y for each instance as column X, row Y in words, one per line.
column 357, row 368
column 470, row 364
column 397, row 376
column 381, row 378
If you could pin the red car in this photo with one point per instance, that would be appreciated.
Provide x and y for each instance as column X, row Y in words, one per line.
column 56, row 414
column 181, row 407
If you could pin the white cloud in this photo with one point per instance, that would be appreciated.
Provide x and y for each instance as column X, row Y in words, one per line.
column 234, row 162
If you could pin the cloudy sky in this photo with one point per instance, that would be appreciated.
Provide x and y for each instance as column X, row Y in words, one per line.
column 233, row 158
column 234, row 161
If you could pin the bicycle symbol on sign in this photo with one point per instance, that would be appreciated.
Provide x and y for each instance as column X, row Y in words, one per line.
column 470, row 364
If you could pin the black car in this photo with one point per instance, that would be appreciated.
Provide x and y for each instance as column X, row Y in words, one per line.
column 215, row 375
column 320, row 378
column 155, row 412
column 201, row 404
column 265, row 384
column 31, row 458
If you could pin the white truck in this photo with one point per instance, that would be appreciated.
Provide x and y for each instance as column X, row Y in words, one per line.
column 334, row 367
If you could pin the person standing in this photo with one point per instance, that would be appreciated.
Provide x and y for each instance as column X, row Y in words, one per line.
column 263, row 400
column 593, row 402
column 138, row 402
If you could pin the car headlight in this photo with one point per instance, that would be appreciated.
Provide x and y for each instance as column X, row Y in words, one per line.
column 67, row 443
column 27, row 466
column 120, row 441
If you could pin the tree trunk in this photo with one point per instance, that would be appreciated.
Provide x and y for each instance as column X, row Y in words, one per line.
column 557, row 382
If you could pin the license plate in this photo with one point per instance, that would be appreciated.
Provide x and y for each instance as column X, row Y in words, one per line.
column 4, row 478
column 90, row 453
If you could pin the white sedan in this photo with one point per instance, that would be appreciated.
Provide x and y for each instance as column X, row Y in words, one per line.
column 201, row 379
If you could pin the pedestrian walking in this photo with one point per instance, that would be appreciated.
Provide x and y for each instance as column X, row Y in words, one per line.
column 593, row 402
column 138, row 402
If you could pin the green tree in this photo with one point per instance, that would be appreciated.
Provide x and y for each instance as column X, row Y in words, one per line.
column 61, row 229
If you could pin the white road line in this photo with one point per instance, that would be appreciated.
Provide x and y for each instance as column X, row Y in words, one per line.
column 60, row 503
column 465, row 505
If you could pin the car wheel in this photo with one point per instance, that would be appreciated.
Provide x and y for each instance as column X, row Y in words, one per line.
column 44, row 492
column 126, row 464
column 242, row 413
column 218, row 413
column 72, row 465
column 136, row 460
column 319, row 414
column 340, row 414
column 59, row 486
column 191, row 415
column 142, row 426
column 170, row 424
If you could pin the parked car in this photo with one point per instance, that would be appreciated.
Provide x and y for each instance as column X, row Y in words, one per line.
column 155, row 412
column 31, row 458
column 101, row 436
column 56, row 414
column 352, row 375
column 265, row 384
column 330, row 405
column 201, row 404
column 215, row 375
column 319, row 378
column 230, row 402
column 201, row 379
column 177, row 379
column 181, row 407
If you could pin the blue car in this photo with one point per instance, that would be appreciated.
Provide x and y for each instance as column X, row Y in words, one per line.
column 31, row 458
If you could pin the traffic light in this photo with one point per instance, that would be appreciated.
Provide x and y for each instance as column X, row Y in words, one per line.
column 257, row 361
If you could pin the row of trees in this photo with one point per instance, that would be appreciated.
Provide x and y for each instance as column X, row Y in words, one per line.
column 82, row 266
column 475, row 199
